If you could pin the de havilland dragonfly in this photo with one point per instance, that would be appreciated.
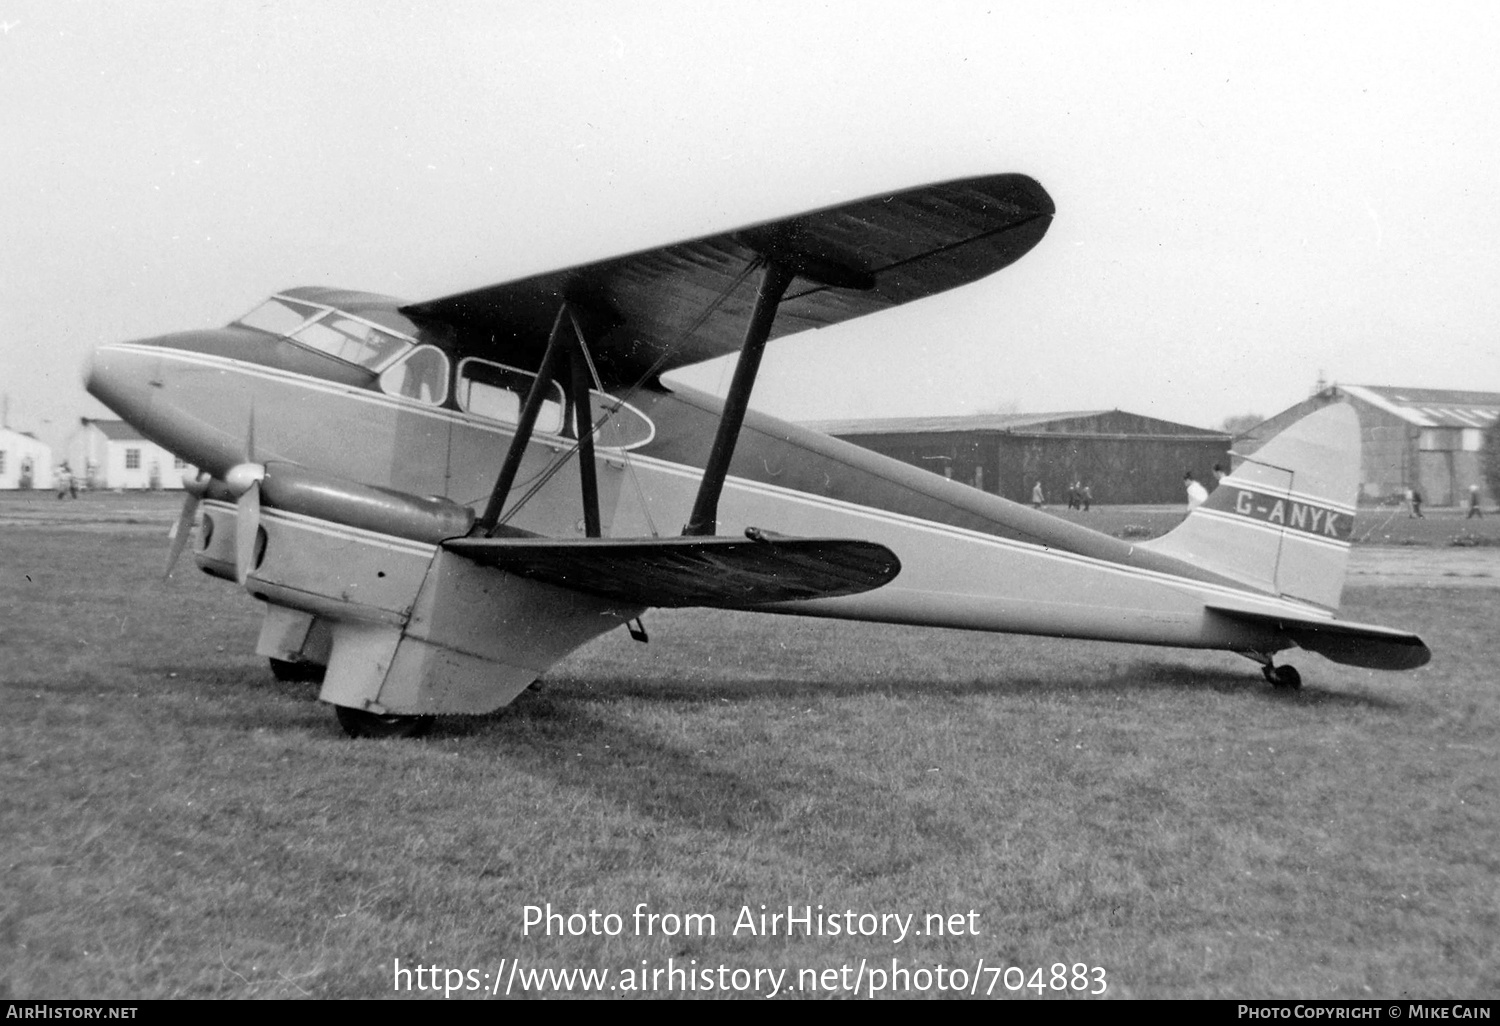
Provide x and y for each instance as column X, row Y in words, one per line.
column 436, row 501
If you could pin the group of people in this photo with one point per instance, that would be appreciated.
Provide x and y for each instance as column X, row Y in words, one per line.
column 1197, row 495
column 1080, row 496
column 1414, row 504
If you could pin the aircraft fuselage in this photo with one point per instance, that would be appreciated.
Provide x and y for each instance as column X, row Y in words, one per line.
column 970, row 559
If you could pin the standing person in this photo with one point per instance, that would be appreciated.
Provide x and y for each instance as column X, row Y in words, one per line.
column 1087, row 496
column 1219, row 474
column 1197, row 495
column 1416, row 505
column 1037, row 496
column 1075, row 501
column 1474, row 510
column 64, row 481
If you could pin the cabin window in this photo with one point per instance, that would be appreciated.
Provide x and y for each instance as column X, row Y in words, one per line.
column 617, row 424
column 2, row 461
column 423, row 376
column 280, row 316
column 351, row 340
column 498, row 392
column 132, row 459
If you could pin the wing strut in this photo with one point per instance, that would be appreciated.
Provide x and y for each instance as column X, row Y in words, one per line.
column 773, row 283
column 558, row 347
column 583, row 417
column 784, row 255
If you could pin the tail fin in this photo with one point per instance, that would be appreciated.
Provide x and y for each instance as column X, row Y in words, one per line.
column 1281, row 522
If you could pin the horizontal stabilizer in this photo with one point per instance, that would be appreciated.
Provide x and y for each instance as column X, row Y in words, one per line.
column 726, row 573
column 1353, row 644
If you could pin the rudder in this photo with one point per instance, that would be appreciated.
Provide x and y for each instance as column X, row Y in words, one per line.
column 1282, row 522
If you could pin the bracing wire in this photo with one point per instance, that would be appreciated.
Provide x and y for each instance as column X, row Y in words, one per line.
column 561, row 459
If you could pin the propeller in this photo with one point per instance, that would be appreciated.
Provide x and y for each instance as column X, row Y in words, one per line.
column 246, row 526
column 243, row 480
column 183, row 528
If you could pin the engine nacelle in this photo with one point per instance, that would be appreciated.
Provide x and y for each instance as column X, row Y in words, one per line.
column 311, row 493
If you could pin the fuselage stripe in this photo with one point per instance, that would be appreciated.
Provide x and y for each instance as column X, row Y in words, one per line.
column 826, row 503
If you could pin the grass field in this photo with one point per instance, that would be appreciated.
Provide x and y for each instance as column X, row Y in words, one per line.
column 175, row 823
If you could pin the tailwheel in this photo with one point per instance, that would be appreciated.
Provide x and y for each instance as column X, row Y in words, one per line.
column 1282, row 676
column 363, row 723
column 288, row 670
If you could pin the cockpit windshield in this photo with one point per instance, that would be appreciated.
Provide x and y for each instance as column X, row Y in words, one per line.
column 329, row 331
column 280, row 316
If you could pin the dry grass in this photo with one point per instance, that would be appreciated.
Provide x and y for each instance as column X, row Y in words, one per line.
column 177, row 824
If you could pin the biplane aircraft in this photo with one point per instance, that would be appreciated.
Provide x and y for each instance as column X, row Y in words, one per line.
column 437, row 501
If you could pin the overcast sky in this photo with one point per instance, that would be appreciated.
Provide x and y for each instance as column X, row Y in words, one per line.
column 1247, row 195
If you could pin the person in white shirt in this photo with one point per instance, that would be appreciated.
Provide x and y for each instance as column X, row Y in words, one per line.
column 1197, row 494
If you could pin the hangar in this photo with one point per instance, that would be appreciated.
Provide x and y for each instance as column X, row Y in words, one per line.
column 1122, row 457
column 1428, row 439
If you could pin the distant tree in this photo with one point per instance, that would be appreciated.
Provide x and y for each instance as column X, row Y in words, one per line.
column 1239, row 424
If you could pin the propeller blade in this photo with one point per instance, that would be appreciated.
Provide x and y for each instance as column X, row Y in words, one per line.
column 247, row 526
column 181, row 531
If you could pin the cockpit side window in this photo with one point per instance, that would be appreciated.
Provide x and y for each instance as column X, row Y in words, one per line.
column 351, row 340
column 495, row 391
column 423, row 376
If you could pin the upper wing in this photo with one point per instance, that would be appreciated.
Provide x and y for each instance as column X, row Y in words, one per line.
column 652, row 311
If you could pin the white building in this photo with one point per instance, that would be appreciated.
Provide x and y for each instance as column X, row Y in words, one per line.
column 111, row 454
column 25, row 462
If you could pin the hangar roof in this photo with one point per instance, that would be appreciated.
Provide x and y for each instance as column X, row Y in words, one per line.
column 1431, row 407
column 1083, row 422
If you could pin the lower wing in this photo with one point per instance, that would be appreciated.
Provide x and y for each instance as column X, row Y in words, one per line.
column 727, row 573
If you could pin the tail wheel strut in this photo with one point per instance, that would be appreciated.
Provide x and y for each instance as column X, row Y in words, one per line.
column 1282, row 676
column 1278, row 676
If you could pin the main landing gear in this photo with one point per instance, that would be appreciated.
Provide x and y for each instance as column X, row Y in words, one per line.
column 363, row 723
column 288, row 671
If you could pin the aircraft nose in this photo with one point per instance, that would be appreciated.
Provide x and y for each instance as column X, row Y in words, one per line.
column 121, row 377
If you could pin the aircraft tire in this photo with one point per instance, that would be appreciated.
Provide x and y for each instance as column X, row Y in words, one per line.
column 363, row 723
column 1283, row 677
column 289, row 671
